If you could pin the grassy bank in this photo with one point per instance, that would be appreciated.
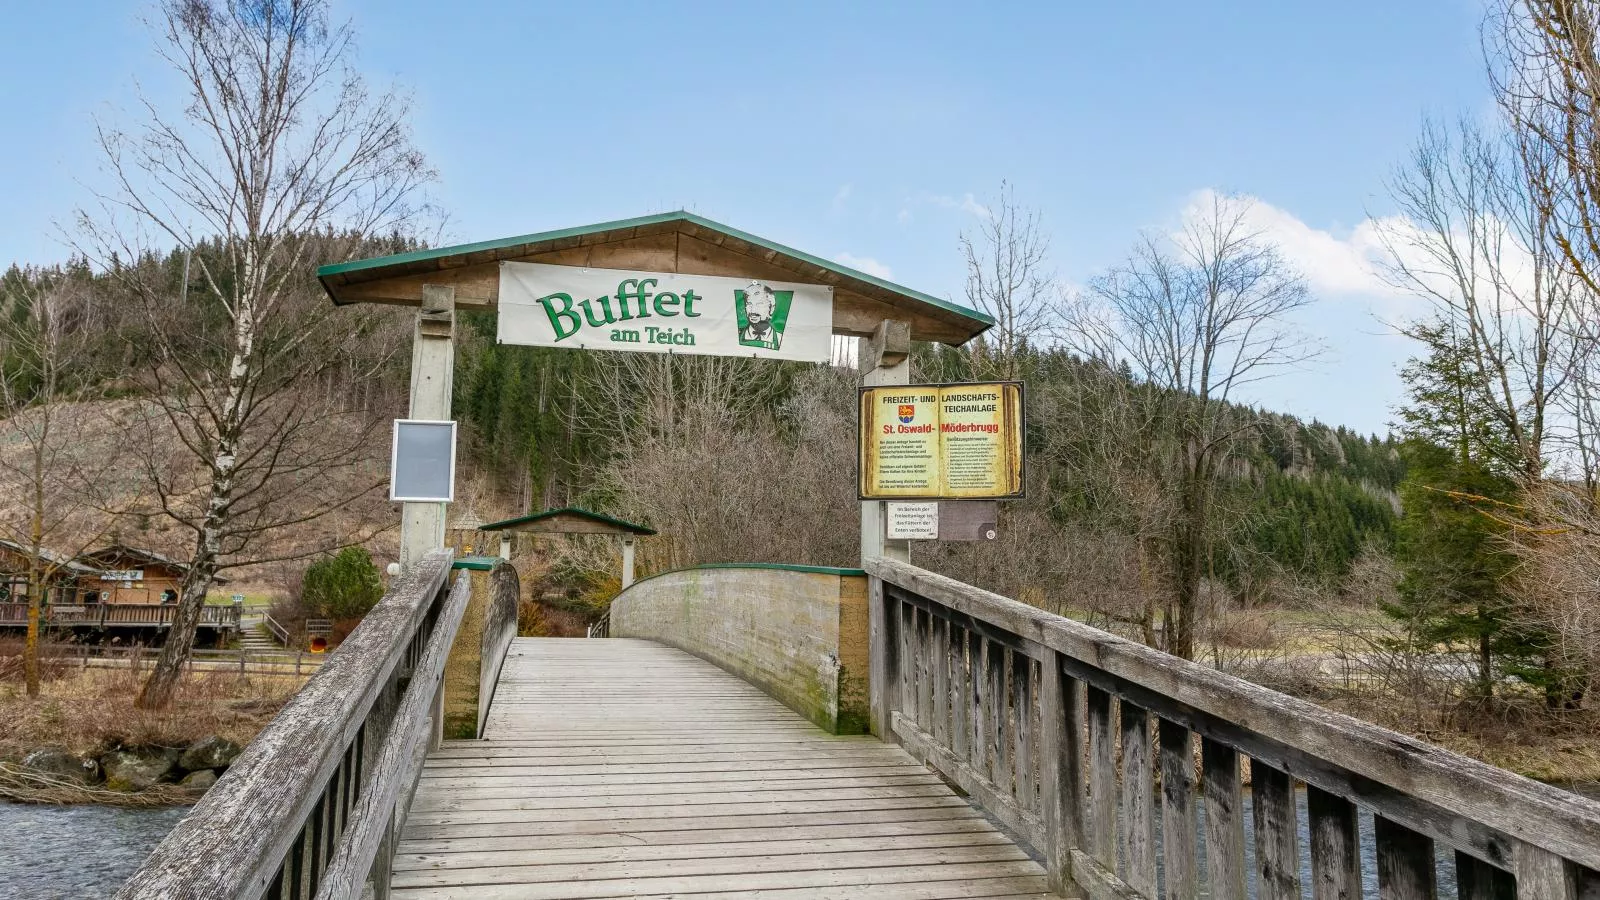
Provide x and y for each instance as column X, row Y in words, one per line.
column 89, row 712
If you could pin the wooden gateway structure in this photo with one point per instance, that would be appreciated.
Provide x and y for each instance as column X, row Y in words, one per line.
column 1010, row 752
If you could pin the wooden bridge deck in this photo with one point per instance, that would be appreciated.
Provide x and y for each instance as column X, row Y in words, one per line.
column 623, row 768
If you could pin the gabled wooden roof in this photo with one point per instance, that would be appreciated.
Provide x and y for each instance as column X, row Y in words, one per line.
column 679, row 242
column 568, row 520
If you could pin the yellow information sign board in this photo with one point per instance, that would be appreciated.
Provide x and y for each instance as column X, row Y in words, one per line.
column 941, row 442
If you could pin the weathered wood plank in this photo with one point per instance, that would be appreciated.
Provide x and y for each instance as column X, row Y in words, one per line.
column 1405, row 862
column 573, row 812
column 1475, row 792
column 961, row 698
column 1224, row 835
column 1023, row 715
column 1277, row 833
column 1102, row 825
column 1138, row 802
column 939, row 661
column 1541, row 875
column 1178, row 813
column 982, row 704
column 999, row 721
column 882, row 659
column 1335, row 846
column 236, row 838
column 1061, row 791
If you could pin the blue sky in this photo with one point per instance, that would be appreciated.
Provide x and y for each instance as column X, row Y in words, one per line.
column 859, row 132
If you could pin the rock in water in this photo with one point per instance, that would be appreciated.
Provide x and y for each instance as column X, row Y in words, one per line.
column 209, row 753
column 200, row 780
column 58, row 763
column 128, row 770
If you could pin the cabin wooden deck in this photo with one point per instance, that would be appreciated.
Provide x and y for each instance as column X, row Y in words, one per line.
column 623, row 768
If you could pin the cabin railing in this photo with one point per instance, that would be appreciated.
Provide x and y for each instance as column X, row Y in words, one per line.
column 1027, row 712
column 314, row 805
column 101, row 615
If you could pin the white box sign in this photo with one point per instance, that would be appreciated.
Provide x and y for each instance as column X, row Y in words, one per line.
column 662, row 312
column 422, row 462
column 912, row 521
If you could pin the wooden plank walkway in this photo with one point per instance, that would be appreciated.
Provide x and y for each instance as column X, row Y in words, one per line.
column 622, row 768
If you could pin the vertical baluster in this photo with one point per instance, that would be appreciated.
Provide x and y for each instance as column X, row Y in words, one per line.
column 1335, row 846
column 1138, row 801
column 939, row 659
column 1405, row 862
column 924, row 643
column 1102, row 778
column 1541, row 875
column 1277, row 844
column 1177, row 812
column 961, row 701
column 999, row 719
column 982, row 703
column 1061, row 749
column 275, row 888
column 907, row 631
column 883, row 674
column 1022, row 736
column 1224, row 836
column 1477, row 880
column 315, row 861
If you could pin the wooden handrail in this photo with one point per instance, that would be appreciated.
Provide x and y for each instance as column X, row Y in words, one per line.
column 1025, row 710
column 271, row 824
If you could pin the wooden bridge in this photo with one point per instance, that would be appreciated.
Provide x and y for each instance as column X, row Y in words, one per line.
column 1021, row 754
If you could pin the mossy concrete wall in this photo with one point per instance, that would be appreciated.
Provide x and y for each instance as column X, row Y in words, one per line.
column 484, row 634
column 798, row 633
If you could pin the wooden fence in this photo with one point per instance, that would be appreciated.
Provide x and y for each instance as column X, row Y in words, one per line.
column 114, row 615
column 1026, row 711
column 314, row 805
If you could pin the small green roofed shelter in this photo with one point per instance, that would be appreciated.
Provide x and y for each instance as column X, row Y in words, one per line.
column 572, row 520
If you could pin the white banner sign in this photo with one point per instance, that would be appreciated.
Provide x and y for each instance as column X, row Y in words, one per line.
column 659, row 312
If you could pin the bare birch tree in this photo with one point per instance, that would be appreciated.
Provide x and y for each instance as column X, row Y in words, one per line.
column 280, row 157
column 1195, row 315
column 1008, row 279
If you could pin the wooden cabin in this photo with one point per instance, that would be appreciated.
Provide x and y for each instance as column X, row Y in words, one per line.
column 69, row 579
column 132, row 575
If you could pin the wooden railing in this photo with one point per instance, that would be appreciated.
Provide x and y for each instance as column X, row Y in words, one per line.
column 499, row 628
column 314, row 805
column 101, row 615
column 1026, row 711
column 599, row 628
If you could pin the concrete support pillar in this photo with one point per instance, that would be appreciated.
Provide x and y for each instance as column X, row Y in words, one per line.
column 422, row 525
column 627, row 561
column 885, row 360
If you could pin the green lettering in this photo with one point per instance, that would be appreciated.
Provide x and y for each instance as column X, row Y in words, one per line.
column 588, row 312
column 667, row 304
column 565, row 314
column 689, row 297
column 624, row 336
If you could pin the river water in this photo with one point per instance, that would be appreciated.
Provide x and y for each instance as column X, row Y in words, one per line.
column 61, row 852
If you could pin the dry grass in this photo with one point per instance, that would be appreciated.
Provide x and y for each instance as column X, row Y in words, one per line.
column 91, row 711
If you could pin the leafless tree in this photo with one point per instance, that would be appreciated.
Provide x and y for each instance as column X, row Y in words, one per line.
column 1008, row 279
column 61, row 486
column 1475, row 240
column 279, row 158
column 1195, row 316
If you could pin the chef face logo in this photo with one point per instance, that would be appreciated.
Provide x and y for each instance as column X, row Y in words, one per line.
column 907, row 413
column 763, row 313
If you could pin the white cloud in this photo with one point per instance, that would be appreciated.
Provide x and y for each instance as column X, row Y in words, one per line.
column 864, row 264
column 967, row 203
column 903, row 217
column 1337, row 264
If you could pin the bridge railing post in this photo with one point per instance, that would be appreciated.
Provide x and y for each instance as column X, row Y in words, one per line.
column 883, row 661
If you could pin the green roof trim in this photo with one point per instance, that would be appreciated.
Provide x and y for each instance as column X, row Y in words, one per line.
column 475, row 563
column 570, row 511
column 778, row 567
column 379, row 262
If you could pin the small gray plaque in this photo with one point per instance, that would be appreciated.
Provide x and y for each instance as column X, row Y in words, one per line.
column 422, row 468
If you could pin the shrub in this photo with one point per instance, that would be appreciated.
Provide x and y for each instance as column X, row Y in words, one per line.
column 343, row 586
